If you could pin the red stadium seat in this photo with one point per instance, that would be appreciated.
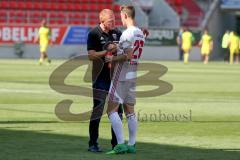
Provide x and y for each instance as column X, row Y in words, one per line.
column 21, row 17
column 13, row 5
column 37, row 5
column 57, row 18
column 3, row 13
column 20, row 5
column 78, row 18
column 29, row 5
column 17, row 16
column 37, row 16
column 105, row 5
column 116, row 8
column 3, row 16
column 93, row 19
column 63, row 1
column 11, row 16
column 45, row 5
column 4, row 4
column 62, row 6
column 85, row 7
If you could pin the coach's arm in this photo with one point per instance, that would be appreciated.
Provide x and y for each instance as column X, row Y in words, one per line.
column 93, row 55
column 93, row 50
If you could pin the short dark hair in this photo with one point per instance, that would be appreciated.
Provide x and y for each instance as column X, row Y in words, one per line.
column 128, row 10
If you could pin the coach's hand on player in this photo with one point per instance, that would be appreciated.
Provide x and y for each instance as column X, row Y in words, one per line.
column 111, row 47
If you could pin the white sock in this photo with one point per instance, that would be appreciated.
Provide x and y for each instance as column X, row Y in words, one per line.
column 132, row 128
column 117, row 127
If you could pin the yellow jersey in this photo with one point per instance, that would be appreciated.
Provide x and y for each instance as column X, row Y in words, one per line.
column 206, row 44
column 44, row 35
column 234, row 42
column 187, row 39
column 225, row 40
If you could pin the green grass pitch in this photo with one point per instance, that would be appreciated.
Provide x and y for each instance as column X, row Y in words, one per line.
column 206, row 96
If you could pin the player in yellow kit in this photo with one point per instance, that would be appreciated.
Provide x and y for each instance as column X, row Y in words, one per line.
column 234, row 47
column 206, row 44
column 187, row 40
column 44, row 38
column 225, row 42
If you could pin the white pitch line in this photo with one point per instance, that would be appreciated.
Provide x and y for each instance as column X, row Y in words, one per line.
column 7, row 90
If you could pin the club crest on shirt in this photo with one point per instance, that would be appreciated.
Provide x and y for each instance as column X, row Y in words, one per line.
column 114, row 36
column 102, row 39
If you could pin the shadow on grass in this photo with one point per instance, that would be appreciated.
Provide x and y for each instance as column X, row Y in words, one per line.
column 28, row 122
column 32, row 145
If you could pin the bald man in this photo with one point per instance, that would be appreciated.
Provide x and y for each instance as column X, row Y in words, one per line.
column 97, row 38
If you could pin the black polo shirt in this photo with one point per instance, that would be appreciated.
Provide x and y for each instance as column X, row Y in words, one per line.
column 96, row 40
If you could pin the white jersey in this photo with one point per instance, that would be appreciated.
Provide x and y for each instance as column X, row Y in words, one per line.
column 132, row 37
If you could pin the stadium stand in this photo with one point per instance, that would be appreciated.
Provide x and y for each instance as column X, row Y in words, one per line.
column 71, row 12
column 146, row 6
column 23, row 17
column 162, row 15
column 177, row 5
column 169, row 13
column 85, row 12
column 194, row 13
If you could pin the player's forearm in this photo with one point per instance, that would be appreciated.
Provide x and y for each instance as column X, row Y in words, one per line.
column 93, row 55
column 120, row 58
column 124, row 57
